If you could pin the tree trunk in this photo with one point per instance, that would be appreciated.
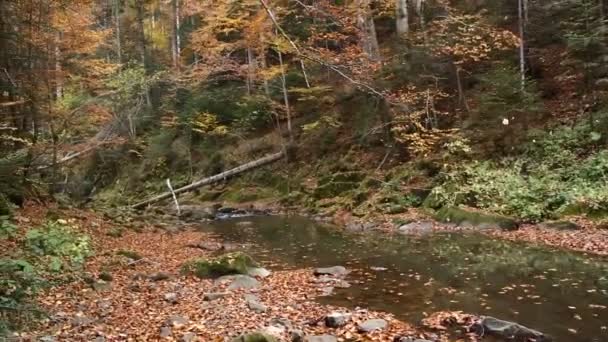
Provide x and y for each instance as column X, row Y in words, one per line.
column 365, row 21
column 522, row 55
column 175, row 39
column 143, row 45
column 214, row 179
column 403, row 25
column 285, row 96
column 117, row 31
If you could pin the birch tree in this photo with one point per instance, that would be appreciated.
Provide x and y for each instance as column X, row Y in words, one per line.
column 365, row 21
column 402, row 18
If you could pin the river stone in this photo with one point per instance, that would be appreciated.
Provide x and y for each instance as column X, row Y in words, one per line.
column 336, row 271
column 158, row 276
column 253, row 303
column 170, row 297
column 337, row 319
column 165, row 332
column 188, row 337
column 320, row 338
column 259, row 272
column 176, row 321
column 509, row 330
column 211, row 296
column 255, row 337
column 372, row 325
column 242, row 282
column 423, row 227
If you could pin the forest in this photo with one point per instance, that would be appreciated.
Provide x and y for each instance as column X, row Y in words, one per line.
column 304, row 170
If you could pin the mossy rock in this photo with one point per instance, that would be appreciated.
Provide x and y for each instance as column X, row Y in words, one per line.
column 478, row 219
column 560, row 225
column 130, row 254
column 255, row 337
column 231, row 263
column 432, row 201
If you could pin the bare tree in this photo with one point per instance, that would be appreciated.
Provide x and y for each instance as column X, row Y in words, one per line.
column 403, row 25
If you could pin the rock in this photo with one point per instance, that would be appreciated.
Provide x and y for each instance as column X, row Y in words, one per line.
column 320, row 338
column 560, row 225
column 170, row 297
column 229, row 263
column 281, row 322
column 342, row 284
column 253, row 302
column 274, row 330
column 214, row 295
column 372, row 325
column 258, row 272
column 80, row 321
column 198, row 212
column 423, row 227
column 409, row 339
column 509, row 330
column 336, row 271
column 239, row 282
column 602, row 83
column 158, row 276
column 188, row 337
column 165, row 332
column 255, row 337
column 337, row 319
column 105, row 276
column 99, row 339
column 206, row 245
column 296, row 336
column 47, row 338
column 101, row 286
column 456, row 215
column 176, row 321
column 326, row 291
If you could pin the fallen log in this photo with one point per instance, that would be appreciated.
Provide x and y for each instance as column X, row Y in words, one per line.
column 213, row 179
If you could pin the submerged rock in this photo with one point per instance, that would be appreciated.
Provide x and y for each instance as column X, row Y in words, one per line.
column 372, row 325
column 509, row 330
column 423, row 227
column 336, row 271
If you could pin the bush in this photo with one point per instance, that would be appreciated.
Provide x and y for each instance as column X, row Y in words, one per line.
column 59, row 243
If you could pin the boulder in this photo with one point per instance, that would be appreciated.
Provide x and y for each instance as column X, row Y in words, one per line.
column 337, row 319
column 230, row 263
column 372, row 325
column 458, row 216
column 320, row 338
column 509, row 330
column 336, row 271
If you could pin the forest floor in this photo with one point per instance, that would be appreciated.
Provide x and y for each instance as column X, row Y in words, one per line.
column 148, row 299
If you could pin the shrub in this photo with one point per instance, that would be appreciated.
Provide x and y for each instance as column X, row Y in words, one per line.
column 59, row 243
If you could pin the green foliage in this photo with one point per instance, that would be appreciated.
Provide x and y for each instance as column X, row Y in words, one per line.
column 18, row 282
column 57, row 242
column 7, row 228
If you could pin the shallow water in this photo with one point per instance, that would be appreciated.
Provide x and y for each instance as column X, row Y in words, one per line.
column 561, row 294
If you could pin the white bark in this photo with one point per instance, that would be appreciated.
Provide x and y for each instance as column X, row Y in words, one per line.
column 365, row 21
column 521, row 5
column 403, row 25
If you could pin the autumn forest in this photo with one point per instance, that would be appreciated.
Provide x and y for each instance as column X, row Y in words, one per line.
column 304, row 170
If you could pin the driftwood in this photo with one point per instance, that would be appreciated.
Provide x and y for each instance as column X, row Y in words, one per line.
column 213, row 179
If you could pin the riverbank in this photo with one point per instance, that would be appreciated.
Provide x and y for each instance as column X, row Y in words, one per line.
column 133, row 289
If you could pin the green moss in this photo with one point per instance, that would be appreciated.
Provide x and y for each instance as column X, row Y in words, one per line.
column 130, row 254
column 459, row 215
column 208, row 196
column 231, row 263
column 333, row 189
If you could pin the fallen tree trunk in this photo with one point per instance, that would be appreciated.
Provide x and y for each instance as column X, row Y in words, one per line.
column 213, row 179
